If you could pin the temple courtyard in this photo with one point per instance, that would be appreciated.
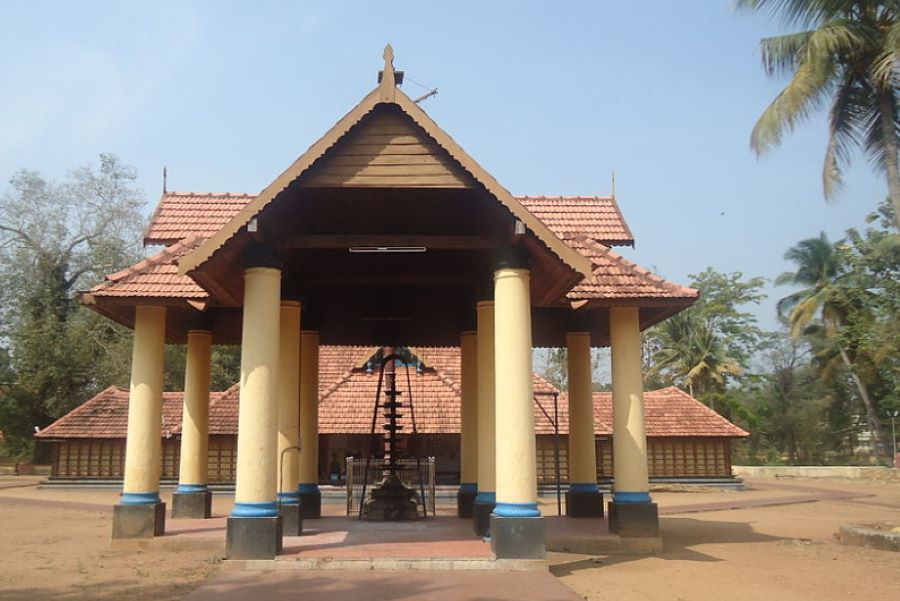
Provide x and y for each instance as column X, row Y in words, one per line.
column 776, row 539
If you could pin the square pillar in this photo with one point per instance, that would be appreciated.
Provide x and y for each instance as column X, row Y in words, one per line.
column 517, row 528
column 631, row 512
column 192, row 498
column 140, row 513
column 583, row 498
column 254, row 527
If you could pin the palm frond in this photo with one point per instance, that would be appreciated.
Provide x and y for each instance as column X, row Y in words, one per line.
column 844, row 132
column 808, row 89
column 780, row 54
column 805, row 13
column 878, row 125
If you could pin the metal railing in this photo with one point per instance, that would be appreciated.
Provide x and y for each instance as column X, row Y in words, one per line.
column 410, row 474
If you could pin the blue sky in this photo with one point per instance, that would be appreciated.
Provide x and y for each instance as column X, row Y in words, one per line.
column 550, row 97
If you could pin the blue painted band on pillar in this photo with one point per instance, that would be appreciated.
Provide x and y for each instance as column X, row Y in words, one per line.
column 517, row 510
column 485, row 497
column 139, row 498
column 289, row 498
column 579, row 487
column 255, row 510
column 468, row 487
column 186, row 488
column 631, row 497
column 307, row 488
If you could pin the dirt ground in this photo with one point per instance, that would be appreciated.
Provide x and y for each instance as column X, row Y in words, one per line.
column 781, row 553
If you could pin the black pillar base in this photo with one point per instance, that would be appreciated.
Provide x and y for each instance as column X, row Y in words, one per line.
column 253, row 538
column 192, row 504
column 633, row 519
column 584, row 504
column 139, row 521
column 465, row 503
column 311, row 505
column 291, row 519
column 518, row 538
column 482, row 518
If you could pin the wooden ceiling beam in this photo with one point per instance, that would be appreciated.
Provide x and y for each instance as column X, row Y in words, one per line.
column 344, row 242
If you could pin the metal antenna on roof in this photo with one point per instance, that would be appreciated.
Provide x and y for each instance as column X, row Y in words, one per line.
column 164, row 180
column 613, row 183
column 426, row 96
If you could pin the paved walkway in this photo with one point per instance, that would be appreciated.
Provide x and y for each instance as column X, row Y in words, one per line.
column 331, row 585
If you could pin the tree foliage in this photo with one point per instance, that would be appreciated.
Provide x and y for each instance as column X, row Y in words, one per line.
column 846, row 56
column 56, row 238
column 710, row 345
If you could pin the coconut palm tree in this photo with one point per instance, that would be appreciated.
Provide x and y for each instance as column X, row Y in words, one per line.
column 847, row 56
column 689, row 353
column 819, row 272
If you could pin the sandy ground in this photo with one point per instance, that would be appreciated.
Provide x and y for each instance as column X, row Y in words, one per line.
column 781, row 553
column 778, row 553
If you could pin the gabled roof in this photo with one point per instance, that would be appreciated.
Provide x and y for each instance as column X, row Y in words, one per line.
column 597, row 217
column 155, row 276
column 381, row 95
column 346, row 396
column 183, row 214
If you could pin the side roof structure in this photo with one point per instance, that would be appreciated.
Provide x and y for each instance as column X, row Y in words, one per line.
column 346, row 394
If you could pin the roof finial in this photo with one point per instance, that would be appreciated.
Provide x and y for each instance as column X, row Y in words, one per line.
column 613, row 183
column 165, row 190
column 386, row 77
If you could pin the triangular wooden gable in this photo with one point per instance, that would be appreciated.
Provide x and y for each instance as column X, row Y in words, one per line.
column 395, row 98
column 387, row 149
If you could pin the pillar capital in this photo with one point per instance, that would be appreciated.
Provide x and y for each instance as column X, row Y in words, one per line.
column 511, row 257
column 262, row 255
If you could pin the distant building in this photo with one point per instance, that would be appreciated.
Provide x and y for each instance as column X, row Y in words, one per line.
column 686, row 439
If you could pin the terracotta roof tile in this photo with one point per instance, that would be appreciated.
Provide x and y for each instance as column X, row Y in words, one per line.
column 597, row 217
column 589, row 224
column 155, row 276
column 181, row 214
column 615, row 277
column 106, row 416
column 346, row 404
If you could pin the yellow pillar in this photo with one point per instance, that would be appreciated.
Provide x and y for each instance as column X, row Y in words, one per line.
column 631, row 483
column 143, row 445
column 468, row 416
column 255, row 485
column 289, row 402
column 515, row 440
column 582, row 450
column 195, row 415
column 310, row 497
column 485, row 387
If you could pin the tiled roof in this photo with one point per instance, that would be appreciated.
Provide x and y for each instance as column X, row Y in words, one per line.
column 597, row 217
column 181, row 214
column 669, row 412
column 106, row 416
column 346, row 404
column 155, row 276
column 615, row 277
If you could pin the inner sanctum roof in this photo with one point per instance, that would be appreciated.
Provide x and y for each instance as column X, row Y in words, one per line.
column 388, row 232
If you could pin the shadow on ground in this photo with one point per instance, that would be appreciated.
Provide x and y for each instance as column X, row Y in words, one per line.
column 679, row 536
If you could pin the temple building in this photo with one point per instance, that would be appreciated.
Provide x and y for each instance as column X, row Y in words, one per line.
column 386, row 233
column 686, row 440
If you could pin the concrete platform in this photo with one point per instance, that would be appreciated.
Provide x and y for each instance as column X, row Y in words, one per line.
column 370, row 585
